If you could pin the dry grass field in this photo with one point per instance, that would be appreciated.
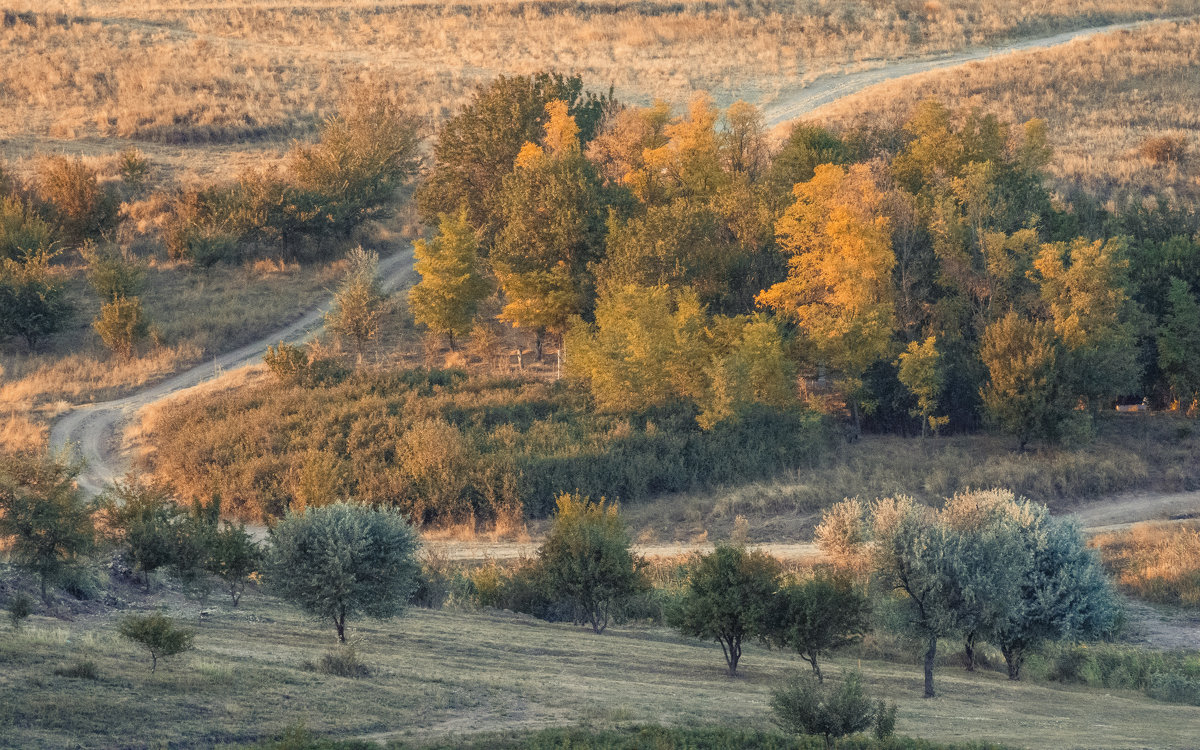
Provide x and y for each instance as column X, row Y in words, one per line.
column 207, row 86
column 438, row 675
column 1103, row 98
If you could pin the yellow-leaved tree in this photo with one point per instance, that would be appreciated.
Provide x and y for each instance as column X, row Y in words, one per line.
column 839, row 283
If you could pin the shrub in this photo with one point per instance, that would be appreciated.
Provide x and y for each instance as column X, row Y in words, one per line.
column 22, row 229
column 140, row 518
column 121, row 325
column 1164, row 149
column 111, row 274
column 134, row 168
column 342, row 560
column 233, row 557
column 885, row 720
column 32, row 305
column 295, row 366
column 158, row 634
column 805, row 706
column 1173, row 687
column 343, row 662
column 358, row 304
column 586, row 559
column 19, row 608
column 83, row 207
column 80, row 670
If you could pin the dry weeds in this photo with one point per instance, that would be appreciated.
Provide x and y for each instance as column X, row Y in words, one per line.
column 204, row 78
column 1107, row 101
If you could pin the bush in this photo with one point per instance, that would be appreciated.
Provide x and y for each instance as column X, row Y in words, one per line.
column 80, row 670
column 111, row 274
column 158, row 634
column 22, row 229
column 295, row 366
column 1164, row 149
column 122, row 326
column 32, row 305
column 83, row 207
column 341, row 560
column 343, row 662
column 19, row 608
column 1175, row 688
column 805, row 706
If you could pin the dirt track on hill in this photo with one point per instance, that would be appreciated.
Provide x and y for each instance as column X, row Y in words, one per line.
column 94, row 430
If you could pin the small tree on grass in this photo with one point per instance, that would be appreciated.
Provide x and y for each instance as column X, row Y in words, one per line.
column 158, row 634
column 358, row 305
column 43, row 515
column 234, row 557
column 139, row 518
column 805, row 706
column 727, row 598
column 343, row 560
column 819, row 614
column 19, row 608
column 586, row 559
column 32, row 305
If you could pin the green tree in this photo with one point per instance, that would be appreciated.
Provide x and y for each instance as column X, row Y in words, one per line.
column 32, row 305
column 83, row 207
column 341, row 560
column 1064, row 592
column 140, row 518
column 727, row 598
column 1179, row 344
column 44, row 517
column 233, row 557
column 1084, row 287
column 1024, row 394
column 358, row 304
column 586, row 559
column 806, row 148
column 817, row 614
column 122, row 325
column 452, row 285
column 839, row 284
column 804, row 706
column 158, row 634
column 476, row 149
column 23, row 231
column 551, row 229
column 921, row 374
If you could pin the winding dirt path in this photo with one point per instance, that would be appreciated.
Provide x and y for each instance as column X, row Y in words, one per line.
column 94, row 430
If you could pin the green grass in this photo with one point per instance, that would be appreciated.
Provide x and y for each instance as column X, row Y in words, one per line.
column 446, row 676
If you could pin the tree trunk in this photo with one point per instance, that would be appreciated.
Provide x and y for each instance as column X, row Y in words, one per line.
column 1014, row 657
column 450, row 336
column 732, row 647
column 969, row 651
column 539, row 338
column 811, row 658
column 930, row 655
column 340, row 623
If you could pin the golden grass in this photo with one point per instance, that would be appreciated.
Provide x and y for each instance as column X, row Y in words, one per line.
column 188, row 76
column 1104, row 99
column 446, row 674
column 1157, row 562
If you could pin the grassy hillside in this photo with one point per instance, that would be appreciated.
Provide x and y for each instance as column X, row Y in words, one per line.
column 1103, row 99
column 196, row 81
column 440, row 675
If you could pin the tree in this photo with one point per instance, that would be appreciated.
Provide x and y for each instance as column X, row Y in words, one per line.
column 121, row 325
column 916, row 558
column 32, row 305
column 23, row 231
column 1084, row 288
column 804, row 706
column 551, row 229
column 43, row 516
column 920, row 372
column 234, row 557
column 341, row 560
column 158, row 634
column 358, row 304
column 1179, row 344
column 84, row 209
column 727, row 598
column 586, row 559
column 821, row 613
column 1024, row 394
column 1064, row 592
column 840, row 261
column 111, row 274
column 806, row 148
column 476, row 149
column 451, row 286
column 140, row 519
